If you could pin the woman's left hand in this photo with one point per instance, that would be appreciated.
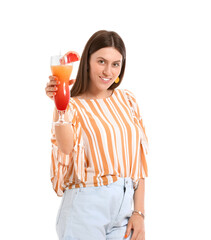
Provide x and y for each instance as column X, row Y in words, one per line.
column 136, row 222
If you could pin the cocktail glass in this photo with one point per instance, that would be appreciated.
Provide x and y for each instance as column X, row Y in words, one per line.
column 62, row 71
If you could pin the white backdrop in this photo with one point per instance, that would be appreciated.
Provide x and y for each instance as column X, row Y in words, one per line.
column 168, row 69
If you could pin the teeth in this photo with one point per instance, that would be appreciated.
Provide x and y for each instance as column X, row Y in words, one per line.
column 106, row 79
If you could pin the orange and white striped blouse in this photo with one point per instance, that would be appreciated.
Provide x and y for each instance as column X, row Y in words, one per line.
column 109, row 142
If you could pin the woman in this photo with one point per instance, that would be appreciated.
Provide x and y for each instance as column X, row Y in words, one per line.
column 98, row 161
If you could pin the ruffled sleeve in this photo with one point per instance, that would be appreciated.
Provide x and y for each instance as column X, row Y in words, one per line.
column 144, row 140
column 67, row 169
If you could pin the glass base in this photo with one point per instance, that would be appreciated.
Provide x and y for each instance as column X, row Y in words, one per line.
column 61, row 123
column 61, row 120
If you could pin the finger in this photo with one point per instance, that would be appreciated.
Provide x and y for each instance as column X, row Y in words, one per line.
column 53, row 78
column 129, row 226
column 51, row 98
column 134, row 235
column 53, row 83
column 51, row 94
column 72, row 81
column 51, row 89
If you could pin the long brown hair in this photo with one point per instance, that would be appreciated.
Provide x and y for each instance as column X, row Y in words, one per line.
column 97, row 41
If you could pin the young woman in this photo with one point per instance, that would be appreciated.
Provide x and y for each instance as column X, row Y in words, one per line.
column 98, row 161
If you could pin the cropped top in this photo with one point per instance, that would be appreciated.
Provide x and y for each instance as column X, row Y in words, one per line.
column 109, row 142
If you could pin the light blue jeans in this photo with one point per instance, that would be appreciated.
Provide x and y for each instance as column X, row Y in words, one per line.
column 96, row 213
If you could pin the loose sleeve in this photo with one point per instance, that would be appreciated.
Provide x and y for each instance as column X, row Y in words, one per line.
column 144, row 140
column 66, row 169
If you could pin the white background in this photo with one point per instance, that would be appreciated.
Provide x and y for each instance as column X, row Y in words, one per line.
column 168, row 69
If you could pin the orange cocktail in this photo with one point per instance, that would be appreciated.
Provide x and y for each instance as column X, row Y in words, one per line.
column 62, row 96
column 61, row 67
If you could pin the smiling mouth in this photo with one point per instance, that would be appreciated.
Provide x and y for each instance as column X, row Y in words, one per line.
column 105, row 79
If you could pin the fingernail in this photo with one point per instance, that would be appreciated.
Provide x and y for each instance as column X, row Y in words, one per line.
column 58, row 82
column 54, row 93
column 55, row 88
column 125, row 236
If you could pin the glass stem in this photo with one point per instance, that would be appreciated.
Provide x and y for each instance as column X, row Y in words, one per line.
column 61, row 115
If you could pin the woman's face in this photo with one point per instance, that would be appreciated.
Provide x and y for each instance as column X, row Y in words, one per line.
column 105, row 66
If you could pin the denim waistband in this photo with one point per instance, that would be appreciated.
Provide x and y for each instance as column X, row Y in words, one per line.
column 125, row 182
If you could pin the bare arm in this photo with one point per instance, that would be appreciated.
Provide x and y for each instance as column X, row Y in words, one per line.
column 139, row 196
column 136, row 222
column 64, row 134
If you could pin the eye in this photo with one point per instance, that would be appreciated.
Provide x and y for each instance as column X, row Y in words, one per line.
column 101, row 61
column 116, row 64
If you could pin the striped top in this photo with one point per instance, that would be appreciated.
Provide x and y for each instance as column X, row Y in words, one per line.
column 109, row 142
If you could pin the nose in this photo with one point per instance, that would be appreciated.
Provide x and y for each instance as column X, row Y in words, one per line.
column 107, row 70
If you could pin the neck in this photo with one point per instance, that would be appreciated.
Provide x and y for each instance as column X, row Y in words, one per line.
column 98, row 94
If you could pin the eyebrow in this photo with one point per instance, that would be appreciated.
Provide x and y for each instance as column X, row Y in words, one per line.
column 107, row 60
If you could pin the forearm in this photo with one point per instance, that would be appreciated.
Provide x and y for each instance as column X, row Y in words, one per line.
column 64, row 135
column 139, row 196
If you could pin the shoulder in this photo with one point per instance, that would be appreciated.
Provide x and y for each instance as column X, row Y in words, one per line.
column 71, row 103
column 131, row 99
column 129, row 94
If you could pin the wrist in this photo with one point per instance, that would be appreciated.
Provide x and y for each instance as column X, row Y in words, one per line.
column 137, row 212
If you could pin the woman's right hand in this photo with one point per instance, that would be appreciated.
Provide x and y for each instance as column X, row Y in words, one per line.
column 52, row 86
